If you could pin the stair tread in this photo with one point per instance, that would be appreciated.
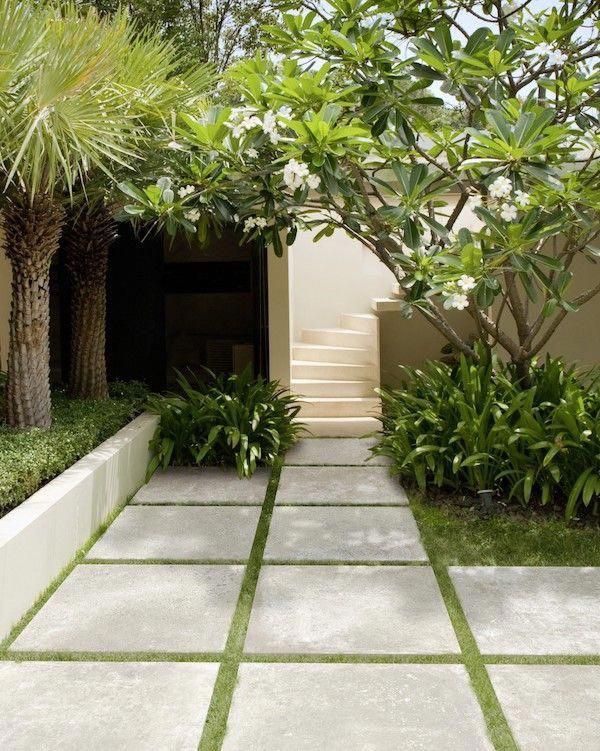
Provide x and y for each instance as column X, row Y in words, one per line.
column 336, row 347
column 333, row 399
column 332, row 380
column 341, row 331
column 326, row 364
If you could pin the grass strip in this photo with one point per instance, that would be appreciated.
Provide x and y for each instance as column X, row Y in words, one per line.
column 218, row 712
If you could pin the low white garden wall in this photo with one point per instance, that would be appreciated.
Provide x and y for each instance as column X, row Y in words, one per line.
column 41, row 536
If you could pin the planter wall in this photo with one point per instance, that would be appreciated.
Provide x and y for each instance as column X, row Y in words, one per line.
column 41, row 536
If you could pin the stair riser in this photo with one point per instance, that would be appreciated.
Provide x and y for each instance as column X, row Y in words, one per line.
column 342, row 427
column 349, row 356
column 338, row 338
column 366, row 408
column 333, row 389
column 334, row 372
column 365, row 323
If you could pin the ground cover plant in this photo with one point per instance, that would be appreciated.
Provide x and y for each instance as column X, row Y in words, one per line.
column 234, row 420
column 30, row 458
column 471, row 427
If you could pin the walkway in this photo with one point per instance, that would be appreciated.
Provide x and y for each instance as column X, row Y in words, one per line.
column 298, row 612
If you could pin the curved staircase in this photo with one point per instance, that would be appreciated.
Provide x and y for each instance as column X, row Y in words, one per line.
column 335, row 372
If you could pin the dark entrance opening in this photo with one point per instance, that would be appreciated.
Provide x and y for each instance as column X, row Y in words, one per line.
column 176, row 305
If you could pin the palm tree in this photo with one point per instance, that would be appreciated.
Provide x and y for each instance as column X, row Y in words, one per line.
column 65, row 118
column 152, row 87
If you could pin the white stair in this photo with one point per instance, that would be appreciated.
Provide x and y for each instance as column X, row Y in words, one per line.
column 335, row 372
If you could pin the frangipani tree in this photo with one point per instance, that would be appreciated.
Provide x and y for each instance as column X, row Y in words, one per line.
column 67, row 115
column 336, row 137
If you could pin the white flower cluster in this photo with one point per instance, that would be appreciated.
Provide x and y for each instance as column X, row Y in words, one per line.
column 185, row 191
column 501, row 190
column 244, row 119
column 258, row 222
column 456, row 294
column 555, row 56
column 297, row 175
column 193, row 215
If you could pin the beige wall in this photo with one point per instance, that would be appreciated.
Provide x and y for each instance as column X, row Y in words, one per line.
column 5, row 295
column 279, row 317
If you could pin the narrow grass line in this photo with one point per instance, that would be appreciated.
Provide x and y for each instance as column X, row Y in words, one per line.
column 357, row 659
column 166, row 561
column 541, row 659
column 498, row 728
column 333, row 562
column 216, row 720
column 51, row 589
column 113, row 656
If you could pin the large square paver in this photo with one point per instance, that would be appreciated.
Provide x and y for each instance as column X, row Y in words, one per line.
column 137, row 608
column 331, row 485
column 69, row 706
column 550, row 707
column 531, row 611
column 204, row 485
column 336, row 451
column 286, row 707
column 344, row 533
column 349, row 609
column 179, row 533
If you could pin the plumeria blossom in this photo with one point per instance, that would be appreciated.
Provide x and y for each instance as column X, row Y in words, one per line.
column 269, row 126
column 193, row 215
column 508, row 212
column 254, row 222
column 186, row 191
column 251, row 153
column 555, row 56
column 501, row 187
column 466, row 283
column 475, row 201
column 456, row 300
column 297, row 175
column 522, row 199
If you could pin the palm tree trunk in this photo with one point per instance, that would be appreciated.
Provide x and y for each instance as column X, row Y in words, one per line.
column 86, row 243
column 32, row 233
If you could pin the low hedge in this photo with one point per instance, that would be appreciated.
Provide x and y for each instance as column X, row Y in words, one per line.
column 30, row 458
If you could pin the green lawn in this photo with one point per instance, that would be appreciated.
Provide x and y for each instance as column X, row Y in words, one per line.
column 455, row 536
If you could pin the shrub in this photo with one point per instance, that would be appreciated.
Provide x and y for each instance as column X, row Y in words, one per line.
column 30, row 458
column 471, row 426
column 233, row 420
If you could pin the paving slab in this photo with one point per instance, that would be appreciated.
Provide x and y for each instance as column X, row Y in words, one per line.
column 332, row 485
column 335, row 451
column 287, row 707
column 204, row 485
column 345, row 533
column 179, row 533
column 550, row 707
column 137, row 608
column 69, row 706
column 531, row 611
column 349, row 610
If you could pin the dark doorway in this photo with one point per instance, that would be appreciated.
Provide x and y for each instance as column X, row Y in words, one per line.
column 176, row 305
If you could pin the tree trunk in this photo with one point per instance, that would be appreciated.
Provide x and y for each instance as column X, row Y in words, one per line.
column 86, row 242
column 32, row 234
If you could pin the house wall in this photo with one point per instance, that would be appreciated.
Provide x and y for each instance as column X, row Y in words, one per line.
column 280, row 306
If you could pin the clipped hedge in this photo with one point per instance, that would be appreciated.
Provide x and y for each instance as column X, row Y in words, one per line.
column 30, row 458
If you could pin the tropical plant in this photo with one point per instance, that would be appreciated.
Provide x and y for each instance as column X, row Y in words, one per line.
column 470, row 427
column 66, row 113
column 205, row 30
column 227, row 419
column 494, row 212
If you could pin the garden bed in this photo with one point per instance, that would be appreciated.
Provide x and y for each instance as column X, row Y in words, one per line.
column 29, row 459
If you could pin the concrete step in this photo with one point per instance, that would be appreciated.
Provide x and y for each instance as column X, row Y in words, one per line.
column 339, row 338
column 330, row 353
column 330, row 387
column 333, row 371
column 386, row 304
column 335, row 406
column 365, row 322
column 340, row 427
